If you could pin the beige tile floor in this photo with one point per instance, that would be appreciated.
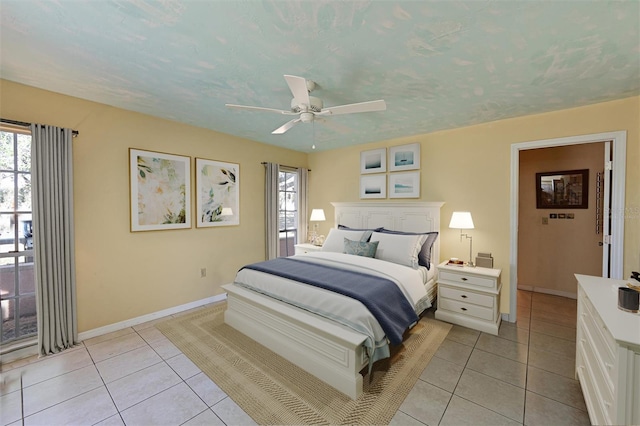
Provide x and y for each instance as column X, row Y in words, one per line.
column 137, row 376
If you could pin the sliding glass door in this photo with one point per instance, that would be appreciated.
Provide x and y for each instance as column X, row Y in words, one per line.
column 17, row 280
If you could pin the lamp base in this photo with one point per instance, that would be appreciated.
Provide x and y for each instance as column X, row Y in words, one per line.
column 471, row 265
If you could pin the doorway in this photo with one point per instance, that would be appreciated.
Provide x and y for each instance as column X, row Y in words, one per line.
column 613, row 242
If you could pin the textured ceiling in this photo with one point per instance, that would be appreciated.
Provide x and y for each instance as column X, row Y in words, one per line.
column 438, row 65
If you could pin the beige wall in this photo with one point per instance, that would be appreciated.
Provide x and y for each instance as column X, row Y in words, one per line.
column 549, row 254
column 469, row 169
column 123, row 275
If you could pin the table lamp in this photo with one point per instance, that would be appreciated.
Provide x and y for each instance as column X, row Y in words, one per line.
column 463, row 220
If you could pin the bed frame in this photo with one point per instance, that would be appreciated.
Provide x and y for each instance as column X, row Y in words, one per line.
column 333, row 353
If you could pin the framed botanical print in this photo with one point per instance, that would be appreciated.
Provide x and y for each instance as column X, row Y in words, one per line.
column 217, row 193
column 160, row 190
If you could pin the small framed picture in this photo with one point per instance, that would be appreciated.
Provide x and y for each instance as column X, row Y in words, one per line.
column 373, row 186
column 373, row 161
column 404, row 185
column 404, row 157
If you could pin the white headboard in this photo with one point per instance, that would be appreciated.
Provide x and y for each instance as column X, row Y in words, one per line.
column 408, row 217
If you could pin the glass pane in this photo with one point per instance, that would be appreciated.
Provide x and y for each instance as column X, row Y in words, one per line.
column 27, row 281
column 6, row 151
column 7, row 235
column 24, row 191
column 25, row 231
column 281, row 200
column 291, row 220
column 6, row 191
column 8, row 277
column 28, row 321
column 8, row 323
column 24, row 153
column 282, row 221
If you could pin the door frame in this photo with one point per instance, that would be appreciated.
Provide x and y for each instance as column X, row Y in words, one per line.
column 619, row 147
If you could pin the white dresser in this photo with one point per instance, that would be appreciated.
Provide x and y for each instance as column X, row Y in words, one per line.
column 607, row 353
column 469, row 297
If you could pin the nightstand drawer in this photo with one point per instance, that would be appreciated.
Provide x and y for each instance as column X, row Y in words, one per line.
column 467, row 296
column 466, row 279
column 466, row 309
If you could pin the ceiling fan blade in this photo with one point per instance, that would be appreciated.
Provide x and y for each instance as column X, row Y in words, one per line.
column 255, row 108
column 286, row 126
column 298, row 87
column 370, row 106
column 333, row 125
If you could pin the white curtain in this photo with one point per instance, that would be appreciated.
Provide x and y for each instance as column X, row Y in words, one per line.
column 272, row 228
column 53, row 237
column 303, row 206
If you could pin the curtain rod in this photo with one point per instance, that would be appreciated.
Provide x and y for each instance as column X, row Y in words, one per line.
column 283, row 165
column 25, row 124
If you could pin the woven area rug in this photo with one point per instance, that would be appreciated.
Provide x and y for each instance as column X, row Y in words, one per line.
column 274, row 391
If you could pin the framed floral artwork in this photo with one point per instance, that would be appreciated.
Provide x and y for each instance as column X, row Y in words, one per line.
column 160, row 190
column 217, row 193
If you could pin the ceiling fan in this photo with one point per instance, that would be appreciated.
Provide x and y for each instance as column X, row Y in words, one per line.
column 309, row 108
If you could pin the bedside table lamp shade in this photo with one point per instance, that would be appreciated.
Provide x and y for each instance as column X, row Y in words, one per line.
column 317, row 215
column 463, row 220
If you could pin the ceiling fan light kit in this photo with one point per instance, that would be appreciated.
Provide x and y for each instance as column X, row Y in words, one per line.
column 310, row 108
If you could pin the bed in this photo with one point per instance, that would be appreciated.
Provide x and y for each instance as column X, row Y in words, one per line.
column 328, row 346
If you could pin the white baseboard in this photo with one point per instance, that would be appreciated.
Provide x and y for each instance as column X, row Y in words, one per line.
column 548, row 291
column 149, row 317
column 30, row 348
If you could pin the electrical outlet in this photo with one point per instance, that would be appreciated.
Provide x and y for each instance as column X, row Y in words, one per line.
column 545, row 220
column 203, row 272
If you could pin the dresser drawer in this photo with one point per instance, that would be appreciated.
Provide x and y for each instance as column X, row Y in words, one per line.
column 597, row 369
column 466, row 279
column 602, row 391
column 601, row 340
column 467, row 296
column 466, row 309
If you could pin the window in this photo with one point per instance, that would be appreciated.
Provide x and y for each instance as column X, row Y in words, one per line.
column 288, row 202
column 17, row 281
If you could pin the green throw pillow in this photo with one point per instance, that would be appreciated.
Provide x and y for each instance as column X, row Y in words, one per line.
column 360, row 248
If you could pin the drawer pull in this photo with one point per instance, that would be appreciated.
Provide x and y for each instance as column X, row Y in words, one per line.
column 609, row 365
column 464, row 309
column 464, row 296
column 463, row 279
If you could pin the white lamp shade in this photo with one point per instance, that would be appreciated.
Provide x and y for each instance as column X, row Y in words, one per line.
column 317, row 215
column 226, row 211
column 461, row 220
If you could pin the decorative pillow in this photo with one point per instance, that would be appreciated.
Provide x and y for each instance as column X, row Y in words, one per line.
column 360, row 248
column 335, row 240
column 356, row 229
column 400, row 249
column 424, row 257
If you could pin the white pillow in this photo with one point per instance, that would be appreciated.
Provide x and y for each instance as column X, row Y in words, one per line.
column 335, row 240
column 400, row 249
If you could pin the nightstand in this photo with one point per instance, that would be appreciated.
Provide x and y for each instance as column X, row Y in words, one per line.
column 306, row 248
column 469, row 297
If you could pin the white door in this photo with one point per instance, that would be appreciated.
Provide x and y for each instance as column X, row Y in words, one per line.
column 605, row 215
